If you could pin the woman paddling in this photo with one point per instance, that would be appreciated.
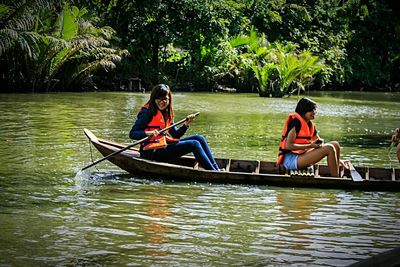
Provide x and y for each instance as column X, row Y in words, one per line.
column 301, row 146
column 157, row 114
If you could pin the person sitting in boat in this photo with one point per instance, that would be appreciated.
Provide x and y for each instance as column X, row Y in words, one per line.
column 301, row 146
column 157, row 114
column 396, row 141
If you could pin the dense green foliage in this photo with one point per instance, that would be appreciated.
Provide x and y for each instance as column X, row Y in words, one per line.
column 47, row 47
column 275, row 47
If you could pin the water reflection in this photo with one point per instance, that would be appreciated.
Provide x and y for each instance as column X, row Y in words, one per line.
column 295, row 209
column 155, row 229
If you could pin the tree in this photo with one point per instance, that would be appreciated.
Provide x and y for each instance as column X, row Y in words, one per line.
column 60, row 49
column 17, row 21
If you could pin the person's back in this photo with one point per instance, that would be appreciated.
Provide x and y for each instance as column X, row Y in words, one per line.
column 396, row 141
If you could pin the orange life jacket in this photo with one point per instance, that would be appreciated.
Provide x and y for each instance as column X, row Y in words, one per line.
column 163, row 139
column 305, row 136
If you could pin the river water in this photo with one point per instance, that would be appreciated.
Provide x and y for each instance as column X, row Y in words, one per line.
column 51, row 216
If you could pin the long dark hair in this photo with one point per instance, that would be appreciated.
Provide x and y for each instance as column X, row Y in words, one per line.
column 160, row 91
column 305, row 105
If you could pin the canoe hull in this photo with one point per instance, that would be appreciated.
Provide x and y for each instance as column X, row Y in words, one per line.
column 242, row 172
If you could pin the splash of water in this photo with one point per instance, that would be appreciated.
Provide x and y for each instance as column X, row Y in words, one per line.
column 82, row 180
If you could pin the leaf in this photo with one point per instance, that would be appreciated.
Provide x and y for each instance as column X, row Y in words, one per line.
column 4, row 11
column 69, row 26
column 75, row 11
column 82, row 12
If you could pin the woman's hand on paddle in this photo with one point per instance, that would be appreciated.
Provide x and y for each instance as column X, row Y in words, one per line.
column 152, row 133
column 189, row 119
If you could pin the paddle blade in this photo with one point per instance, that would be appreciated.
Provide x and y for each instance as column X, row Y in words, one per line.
column 354, row 174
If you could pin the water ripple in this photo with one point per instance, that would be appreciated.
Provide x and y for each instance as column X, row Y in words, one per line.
column 51, row 214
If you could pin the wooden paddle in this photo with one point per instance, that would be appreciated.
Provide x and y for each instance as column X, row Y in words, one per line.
column 135, row 143
column 354, row 173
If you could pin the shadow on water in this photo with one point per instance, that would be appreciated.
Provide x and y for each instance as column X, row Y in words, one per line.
column 360, row 96
column 366, row 141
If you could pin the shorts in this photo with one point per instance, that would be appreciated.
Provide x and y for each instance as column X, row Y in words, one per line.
column 290, row 161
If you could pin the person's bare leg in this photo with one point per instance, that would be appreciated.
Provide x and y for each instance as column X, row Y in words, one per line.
column 339, row 162
column 333, row 162
column 337, row 148
column 398, row 152
column 314, row 156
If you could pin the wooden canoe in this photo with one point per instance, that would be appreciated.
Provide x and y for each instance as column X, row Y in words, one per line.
column 249, row 172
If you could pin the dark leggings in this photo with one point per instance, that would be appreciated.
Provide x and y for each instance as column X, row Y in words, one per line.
column 195, row 144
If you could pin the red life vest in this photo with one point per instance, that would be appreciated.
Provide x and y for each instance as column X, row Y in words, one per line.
column 163, row 139
column 305, row 136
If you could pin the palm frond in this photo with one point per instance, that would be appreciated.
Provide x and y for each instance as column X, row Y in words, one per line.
column 17, row 20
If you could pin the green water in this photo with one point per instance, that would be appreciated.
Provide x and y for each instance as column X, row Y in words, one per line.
column 50, row 216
